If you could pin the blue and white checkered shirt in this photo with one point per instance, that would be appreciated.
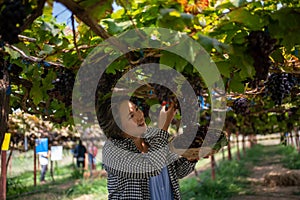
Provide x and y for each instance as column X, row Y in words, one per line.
column 129, row 170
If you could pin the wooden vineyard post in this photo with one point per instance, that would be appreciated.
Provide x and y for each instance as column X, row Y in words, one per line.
column 229, row 145
column 297, row 139
column 34, row 166
column 251, row 140
column 292, row 139
column 4, row 164
column 213, row 167
column 51, row 170
column 255, row 139
column 244, row 145
column 223, row 154
column 3, row 175
column 5, row 91
column 237, row 146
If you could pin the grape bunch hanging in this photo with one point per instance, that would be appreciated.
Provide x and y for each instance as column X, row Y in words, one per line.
column 241, row 106
column 13, row 13
column 189, row 141
column 279, row 85
column 63, row 86
column 260, row 46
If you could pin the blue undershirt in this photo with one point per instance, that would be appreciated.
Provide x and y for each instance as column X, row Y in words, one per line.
column 160, row 186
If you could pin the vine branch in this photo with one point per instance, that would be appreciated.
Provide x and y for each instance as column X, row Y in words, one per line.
column 31, row 58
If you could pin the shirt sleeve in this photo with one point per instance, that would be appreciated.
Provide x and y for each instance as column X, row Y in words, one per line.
column 184, row 167
column 126, row 163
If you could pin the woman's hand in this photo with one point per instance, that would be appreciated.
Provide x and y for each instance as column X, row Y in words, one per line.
column 166, row 117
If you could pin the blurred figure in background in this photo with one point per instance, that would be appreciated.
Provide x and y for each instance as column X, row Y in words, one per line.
column 79, row 154
column 92, row 151
column 44, row 160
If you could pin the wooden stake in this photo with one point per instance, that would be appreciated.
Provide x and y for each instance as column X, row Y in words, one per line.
column 244, row 145
column 3, row 175
column 237, row 145
column 229, row 145
column 213, row 166
column 34, row 166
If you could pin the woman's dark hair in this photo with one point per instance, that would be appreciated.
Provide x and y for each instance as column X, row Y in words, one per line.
column 107, row 121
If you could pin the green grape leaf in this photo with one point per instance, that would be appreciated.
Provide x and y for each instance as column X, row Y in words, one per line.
column 47, row 49
column 243, row 16
column 173, row 61
column 277, row 56
column 286, row 27
column 47, row 26
column 35, row 92
column 171, row 18
column 236, row 84
column 13, row 54
column 114, row 27
column 225, row 68
column 97, row 9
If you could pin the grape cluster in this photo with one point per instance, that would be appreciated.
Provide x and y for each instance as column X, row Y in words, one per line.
column 260, row 46
column 196, row 83
column 241, row 106
column 63, row 86
column 13, row 13
column 183, row 141
column 107, row 81
column 279, row 85
column 163, row 94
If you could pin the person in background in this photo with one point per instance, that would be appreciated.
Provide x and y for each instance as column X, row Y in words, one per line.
column 79, row 154
column 92, row 152
column 44, row 160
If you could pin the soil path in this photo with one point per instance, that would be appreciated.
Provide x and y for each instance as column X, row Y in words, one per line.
column 269, row 162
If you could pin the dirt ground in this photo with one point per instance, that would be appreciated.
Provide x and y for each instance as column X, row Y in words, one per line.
column 258, row 187
column 263, row 191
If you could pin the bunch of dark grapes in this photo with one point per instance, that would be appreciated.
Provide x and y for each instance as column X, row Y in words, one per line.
column 279, row 85
column 107, row 82
column 164, row 88
column 196, row 83
column 13, row 13
column 241, row 106
column 191, row 105
column 260, row 46
column 163, row 94
column 188, row 140
column 63, row 85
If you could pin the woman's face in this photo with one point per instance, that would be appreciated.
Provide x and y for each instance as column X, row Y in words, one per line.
column 132, row 119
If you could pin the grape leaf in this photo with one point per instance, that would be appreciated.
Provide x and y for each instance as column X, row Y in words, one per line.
column 35, row 92
column 244, row 16
column 224, row 68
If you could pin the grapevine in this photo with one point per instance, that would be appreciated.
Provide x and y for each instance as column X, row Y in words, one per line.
column 63, row 85
column 13, row 13
column 260, row 46
column 279, row 86
column 241, row 106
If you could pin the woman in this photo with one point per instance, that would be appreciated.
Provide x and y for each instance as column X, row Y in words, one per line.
column 136, row 157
